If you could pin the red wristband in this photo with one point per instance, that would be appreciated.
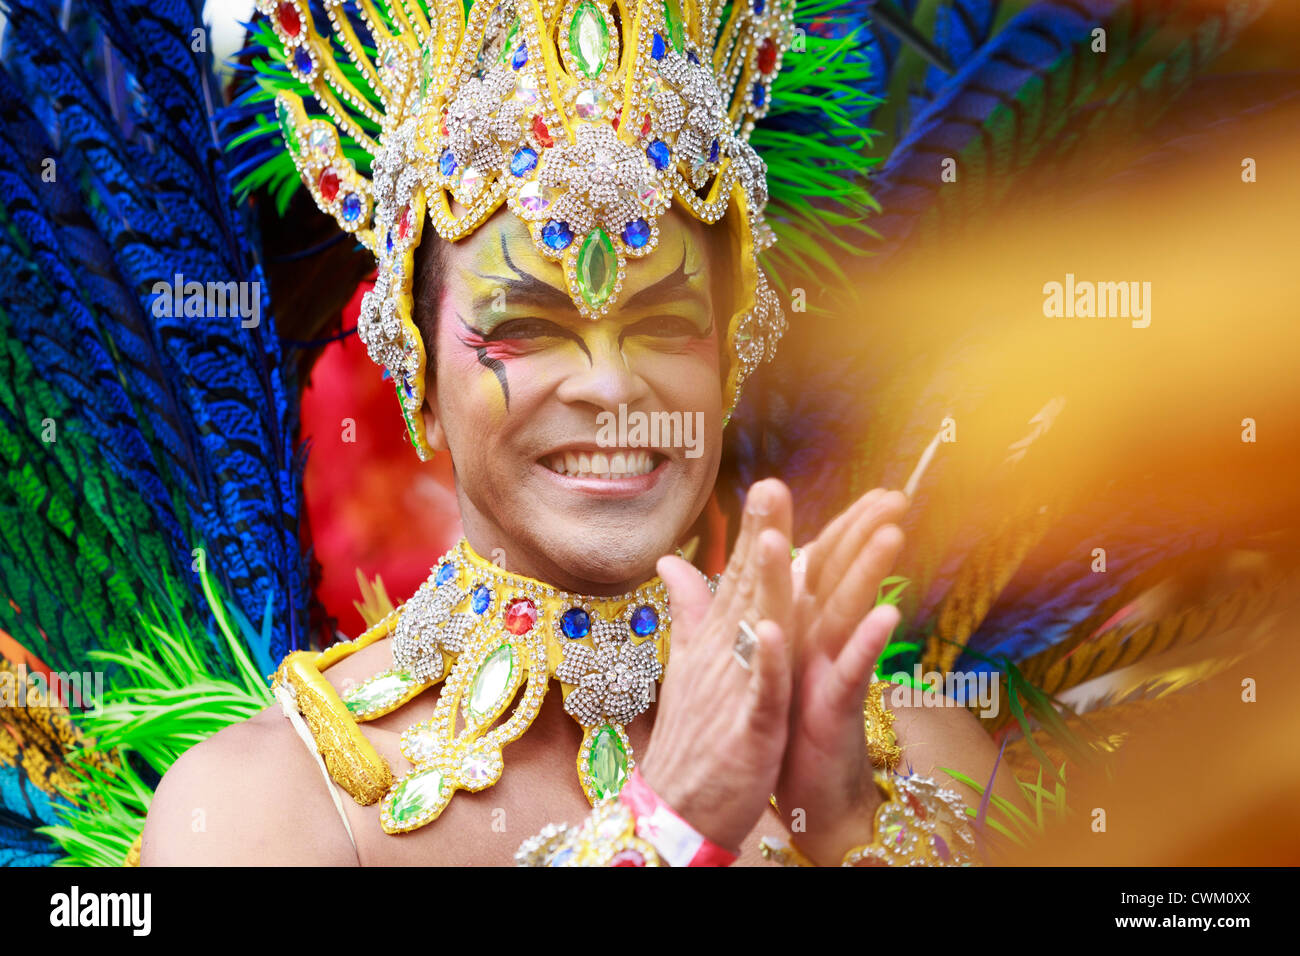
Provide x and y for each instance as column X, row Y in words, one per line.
column 676, row 841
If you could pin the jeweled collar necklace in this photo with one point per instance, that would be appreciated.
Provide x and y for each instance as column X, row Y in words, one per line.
column 485, row 633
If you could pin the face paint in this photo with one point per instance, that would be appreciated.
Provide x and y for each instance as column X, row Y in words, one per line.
column 515, row 311
column 491, row 355
column 521, row 290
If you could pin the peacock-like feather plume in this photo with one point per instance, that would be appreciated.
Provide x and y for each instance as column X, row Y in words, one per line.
column 148, row 455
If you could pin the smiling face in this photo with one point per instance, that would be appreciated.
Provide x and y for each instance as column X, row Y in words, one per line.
column 526, row 396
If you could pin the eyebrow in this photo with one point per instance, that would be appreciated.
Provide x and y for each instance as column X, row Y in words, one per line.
column 675, row 285
column 528, row 289
column 523, row 287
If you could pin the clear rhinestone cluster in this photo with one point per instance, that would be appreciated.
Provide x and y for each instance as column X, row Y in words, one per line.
column 495, row 638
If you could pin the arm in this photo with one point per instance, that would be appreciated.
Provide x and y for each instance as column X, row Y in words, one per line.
column 949, row 737
column 250, row 795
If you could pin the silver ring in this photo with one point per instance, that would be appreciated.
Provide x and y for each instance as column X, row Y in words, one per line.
column 746, row 644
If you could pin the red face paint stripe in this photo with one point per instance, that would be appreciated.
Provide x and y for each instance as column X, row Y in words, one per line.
column 497, row 349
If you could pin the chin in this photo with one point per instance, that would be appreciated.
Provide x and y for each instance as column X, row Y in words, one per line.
column 607, row 549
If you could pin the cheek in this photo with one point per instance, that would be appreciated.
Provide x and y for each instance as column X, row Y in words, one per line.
column 468, row 389
column 688, row 376
column 705, row 350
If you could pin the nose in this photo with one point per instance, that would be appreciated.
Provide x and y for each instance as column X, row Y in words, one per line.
column 607, row 381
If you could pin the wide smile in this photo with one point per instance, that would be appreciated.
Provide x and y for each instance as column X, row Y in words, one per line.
column 603, row 465
column 604, row 472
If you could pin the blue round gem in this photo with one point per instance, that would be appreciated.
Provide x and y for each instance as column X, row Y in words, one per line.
column 523, row 160
column 445, row 573
column 576, row 623
column 482, row 598
column 557, row 234
column 520, row 58
column 690, row 55
column 758, row 8
column 302, row 60
column 713, row 152
column 644, row 620
column 760, row 94
column 447, row 163
column 659, row 154
column 657, row 50
column 636, row 233
column 351, row 207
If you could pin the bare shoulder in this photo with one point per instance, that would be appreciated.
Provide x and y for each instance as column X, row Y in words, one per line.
column 250, row 795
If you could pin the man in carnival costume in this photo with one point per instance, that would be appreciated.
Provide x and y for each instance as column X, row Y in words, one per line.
column 572, row 210
column 597, row 211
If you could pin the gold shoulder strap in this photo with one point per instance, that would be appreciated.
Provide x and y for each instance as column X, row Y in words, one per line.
column 352, row 761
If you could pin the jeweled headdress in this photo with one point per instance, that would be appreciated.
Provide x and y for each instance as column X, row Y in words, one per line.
column 588, row 118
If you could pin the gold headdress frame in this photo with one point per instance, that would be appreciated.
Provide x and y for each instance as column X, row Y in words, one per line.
column 587, row 118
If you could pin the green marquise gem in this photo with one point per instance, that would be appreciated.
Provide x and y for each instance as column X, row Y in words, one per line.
column 597, row 267
column 285, row 116
column 673, row 21
column 417, row 793
column 380, row 691
column 493, row 680
column 427, row 65
column 588, row 38
column 607, row 762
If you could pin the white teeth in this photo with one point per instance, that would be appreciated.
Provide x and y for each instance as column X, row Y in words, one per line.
column 597, row 465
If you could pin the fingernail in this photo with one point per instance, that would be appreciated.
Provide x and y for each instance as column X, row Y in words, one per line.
column 756, row 505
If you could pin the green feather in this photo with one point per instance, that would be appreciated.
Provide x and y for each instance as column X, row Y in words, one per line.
column 168, row 695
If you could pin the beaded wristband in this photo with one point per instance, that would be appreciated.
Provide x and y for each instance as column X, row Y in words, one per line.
column 606, row 838
column 634, row 829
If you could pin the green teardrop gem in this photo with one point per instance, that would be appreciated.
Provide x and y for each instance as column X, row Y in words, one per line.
column 290, row 131
column 597, row 267
column 487, row 692
column 673, row 21
column 607, row 762
column 380, row 690
column 426, row 71
column 416, row 793
column 588, row 38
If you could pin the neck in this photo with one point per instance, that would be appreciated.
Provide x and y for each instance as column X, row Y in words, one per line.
column 559, row 571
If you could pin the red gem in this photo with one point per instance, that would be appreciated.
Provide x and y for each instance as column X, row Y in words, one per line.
column 766, row 56
column 618, row 115
column 443, row 123
column 917, row 806
column 521, row 615
column 404, row 222
column 645, row 125
column 289, row 21
column 329, row 184
column 541, row 132
column 627, row 858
